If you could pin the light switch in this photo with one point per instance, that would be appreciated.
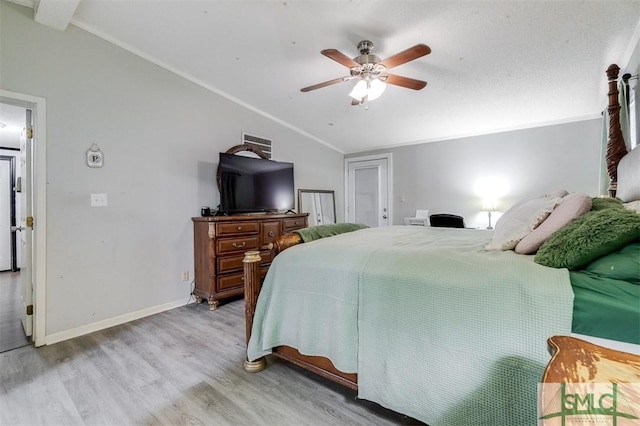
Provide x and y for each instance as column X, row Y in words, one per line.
column 98, row 200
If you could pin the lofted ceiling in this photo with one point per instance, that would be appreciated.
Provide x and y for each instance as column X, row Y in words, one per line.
column 494, row 66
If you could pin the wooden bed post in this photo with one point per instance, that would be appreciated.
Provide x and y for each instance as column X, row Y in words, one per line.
column 616, row 148
column 252, row 282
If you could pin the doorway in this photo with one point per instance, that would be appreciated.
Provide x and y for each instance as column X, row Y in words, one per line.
column 12, row 333
column 23, row 289
column 368, row 190
column 8, row 241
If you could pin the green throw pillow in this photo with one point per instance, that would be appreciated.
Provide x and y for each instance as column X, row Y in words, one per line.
column 599, row 203
column 592, row 235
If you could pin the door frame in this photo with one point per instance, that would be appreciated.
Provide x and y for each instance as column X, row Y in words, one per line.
column 383, row 156
column 38, row 190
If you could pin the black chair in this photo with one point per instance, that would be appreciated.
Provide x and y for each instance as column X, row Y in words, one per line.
column 443, row 220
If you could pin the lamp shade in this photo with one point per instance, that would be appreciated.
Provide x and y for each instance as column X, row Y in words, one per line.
column 371, row 89
column 359, row 91
column 489, row 205
column 376, row 88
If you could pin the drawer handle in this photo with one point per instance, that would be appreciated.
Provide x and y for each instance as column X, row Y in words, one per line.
column 271, row 233
column 236, row 245
column 239, row 228
column 296, row 222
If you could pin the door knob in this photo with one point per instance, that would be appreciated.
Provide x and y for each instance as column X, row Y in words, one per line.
column 17, row 228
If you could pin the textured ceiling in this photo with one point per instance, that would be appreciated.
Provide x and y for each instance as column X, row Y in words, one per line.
column 495, row 65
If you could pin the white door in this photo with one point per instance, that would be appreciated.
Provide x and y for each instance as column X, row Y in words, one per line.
column 368, row 192
column 5, row 214
column 26, row 224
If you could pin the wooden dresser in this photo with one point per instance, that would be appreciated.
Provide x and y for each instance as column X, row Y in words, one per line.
column 219, row 246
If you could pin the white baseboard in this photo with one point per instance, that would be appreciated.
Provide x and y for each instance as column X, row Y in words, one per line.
column 101, row 325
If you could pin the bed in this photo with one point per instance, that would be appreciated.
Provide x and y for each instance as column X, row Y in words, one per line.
column 428, row 322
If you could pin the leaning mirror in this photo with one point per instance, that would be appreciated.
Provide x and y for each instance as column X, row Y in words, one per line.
column 320, row 204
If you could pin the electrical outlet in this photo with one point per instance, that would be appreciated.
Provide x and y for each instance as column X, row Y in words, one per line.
column 185, row 276
column 99, row 200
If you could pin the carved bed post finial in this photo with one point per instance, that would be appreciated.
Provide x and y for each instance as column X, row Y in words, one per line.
column 616, row 148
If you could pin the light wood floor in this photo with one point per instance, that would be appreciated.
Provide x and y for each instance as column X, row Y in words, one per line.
column 182, row 366
column 11, row 332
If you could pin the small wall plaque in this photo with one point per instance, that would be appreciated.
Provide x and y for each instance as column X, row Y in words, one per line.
column 95, row 158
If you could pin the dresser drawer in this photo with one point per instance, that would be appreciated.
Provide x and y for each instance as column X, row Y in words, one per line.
column 267, row 256
column 236, row 228
column 230, row 263
column 270, row 232
column 234, row 262
column 289, row 225
column 228, row 245
column 226, row 282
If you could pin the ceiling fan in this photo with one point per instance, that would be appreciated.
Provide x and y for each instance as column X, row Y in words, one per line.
column 372, row 72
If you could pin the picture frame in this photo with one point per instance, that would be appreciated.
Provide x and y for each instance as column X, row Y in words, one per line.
column 319, row 203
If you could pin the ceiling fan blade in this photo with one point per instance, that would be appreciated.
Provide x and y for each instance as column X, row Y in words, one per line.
column 406, row 55
column 325, row 84
column 340, row 58
column 409, row 83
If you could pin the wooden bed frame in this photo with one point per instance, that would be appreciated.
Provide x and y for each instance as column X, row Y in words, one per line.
column 616, row 149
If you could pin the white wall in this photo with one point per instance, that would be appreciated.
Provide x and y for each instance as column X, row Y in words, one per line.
column 441, row 176
column 160, row 135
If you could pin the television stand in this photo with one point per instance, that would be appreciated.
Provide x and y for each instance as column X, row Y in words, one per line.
column 219, row 246
column 290, row 211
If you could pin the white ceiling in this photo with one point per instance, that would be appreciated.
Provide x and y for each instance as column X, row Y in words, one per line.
column 495, row 65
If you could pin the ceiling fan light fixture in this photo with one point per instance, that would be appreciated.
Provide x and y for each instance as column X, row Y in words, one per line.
column 376, row 88
column 359, row 90
column 369, row 88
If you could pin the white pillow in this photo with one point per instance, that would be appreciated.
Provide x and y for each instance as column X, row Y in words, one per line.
column 633, row 206
column 629, row 176
column 519, row 220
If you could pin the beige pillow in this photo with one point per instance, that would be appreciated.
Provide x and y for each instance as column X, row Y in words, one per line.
column 572, row 206
column 519, row 220
column 558, row 193
column 634, row 206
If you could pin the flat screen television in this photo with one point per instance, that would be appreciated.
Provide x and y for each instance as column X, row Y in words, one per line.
column 249, row 184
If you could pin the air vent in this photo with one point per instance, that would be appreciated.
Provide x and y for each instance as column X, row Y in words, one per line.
column 262, row 144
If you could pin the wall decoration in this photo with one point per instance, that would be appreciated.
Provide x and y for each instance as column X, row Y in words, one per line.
column 95, row 158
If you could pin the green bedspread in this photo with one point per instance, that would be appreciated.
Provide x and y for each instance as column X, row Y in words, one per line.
column 435, row 327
